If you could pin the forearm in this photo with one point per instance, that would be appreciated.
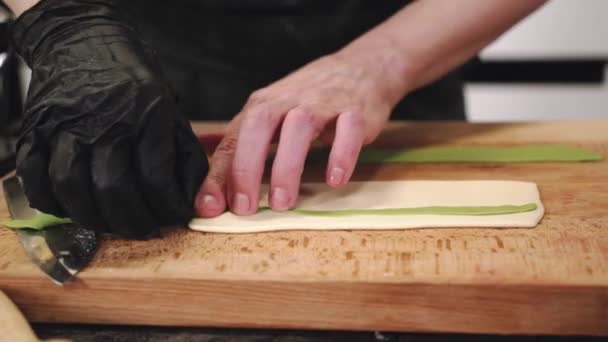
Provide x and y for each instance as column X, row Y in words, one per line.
column 428, row 38
column 20, row 6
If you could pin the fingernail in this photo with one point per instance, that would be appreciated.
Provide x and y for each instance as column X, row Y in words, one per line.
column 336, row 176
column 241, row 203
column 210, row 202
column 279, row 199
column 207, row 204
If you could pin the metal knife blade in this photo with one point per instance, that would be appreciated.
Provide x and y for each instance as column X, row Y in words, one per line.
column 60, row 251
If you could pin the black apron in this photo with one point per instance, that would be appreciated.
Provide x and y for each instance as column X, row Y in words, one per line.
column 216, row 52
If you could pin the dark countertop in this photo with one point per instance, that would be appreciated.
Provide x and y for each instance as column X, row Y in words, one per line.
column 91, row 333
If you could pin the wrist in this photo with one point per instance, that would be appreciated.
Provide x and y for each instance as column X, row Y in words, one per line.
column 20, row 6
column 389, row 69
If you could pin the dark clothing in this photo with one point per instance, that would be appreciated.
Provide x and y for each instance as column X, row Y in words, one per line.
column 216, row 52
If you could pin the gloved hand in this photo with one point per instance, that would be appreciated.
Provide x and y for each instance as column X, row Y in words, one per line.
column 102, row 141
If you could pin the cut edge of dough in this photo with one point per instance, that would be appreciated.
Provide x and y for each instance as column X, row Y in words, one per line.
column 517, row 220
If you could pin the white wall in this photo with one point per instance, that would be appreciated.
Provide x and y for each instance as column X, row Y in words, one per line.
column 561, row 29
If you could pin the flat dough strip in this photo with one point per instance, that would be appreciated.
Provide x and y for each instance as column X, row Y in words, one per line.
column 385, row 195
column 434, row 210
column 40, row 221
column 480, row 154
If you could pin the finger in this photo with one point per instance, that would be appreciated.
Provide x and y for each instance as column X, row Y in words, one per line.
column 116, row 191
column 156, row 164
column 300, row 127
column 32, row 168
column 253, row 143
column 345, row 150
column 212, row 197
column 70, row 174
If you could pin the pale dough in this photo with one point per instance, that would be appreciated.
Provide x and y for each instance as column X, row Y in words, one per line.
column 389, row 194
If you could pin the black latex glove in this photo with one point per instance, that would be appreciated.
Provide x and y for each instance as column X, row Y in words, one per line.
column 102, row 141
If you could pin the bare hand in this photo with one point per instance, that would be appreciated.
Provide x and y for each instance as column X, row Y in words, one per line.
column 341, row 102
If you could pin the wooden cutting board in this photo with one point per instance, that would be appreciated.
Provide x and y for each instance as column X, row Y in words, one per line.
column 549, row 280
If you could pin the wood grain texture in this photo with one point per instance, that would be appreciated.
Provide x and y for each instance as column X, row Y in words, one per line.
column 549, row 280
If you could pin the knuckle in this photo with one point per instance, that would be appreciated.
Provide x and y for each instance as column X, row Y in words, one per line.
column 234, row 125
column 258, row 95
column 218, row 173
column 311, row 105
column 355, row 124
column 226, row 147
column 286, row 169
column 303, row 116
column 216, row 178
column 241, row 172
column 260, row 115
column 356, row 118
